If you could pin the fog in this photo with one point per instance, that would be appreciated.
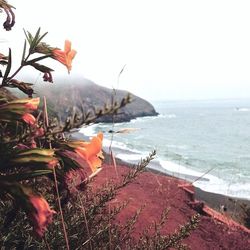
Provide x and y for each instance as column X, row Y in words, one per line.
column 171, row 49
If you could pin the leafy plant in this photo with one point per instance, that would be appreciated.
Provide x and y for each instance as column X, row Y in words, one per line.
column 29, row 148
column 41, row 166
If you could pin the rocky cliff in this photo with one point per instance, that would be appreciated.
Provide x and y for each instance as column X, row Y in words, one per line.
column 83, row 93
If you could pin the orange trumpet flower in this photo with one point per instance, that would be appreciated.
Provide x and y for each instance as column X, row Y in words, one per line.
column 41, row 214
column 29, row 119
column 91, row 152
column 65, row 57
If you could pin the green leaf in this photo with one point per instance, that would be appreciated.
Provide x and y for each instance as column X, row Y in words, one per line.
column 7, row 71
column 41, row 67
column 34, row 42
column 38, row 151
column 33, row 159
column 34, row 156
column 40, row 39
column 21, row 101
column 24, row 52
column 26, row 35
column 30, row 62
column 29, row 37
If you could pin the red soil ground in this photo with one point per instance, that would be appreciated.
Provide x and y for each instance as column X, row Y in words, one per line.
column 157, row 192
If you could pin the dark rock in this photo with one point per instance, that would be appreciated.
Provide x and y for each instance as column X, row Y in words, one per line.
column 82, row 94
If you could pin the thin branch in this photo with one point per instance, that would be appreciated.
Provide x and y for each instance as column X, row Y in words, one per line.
column 46, row 122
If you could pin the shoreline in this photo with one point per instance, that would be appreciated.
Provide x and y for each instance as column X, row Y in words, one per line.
column 234, row 207
column 156, row 166
column 227, row 205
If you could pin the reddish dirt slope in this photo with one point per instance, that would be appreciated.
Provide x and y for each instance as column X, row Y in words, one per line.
column 157, row 191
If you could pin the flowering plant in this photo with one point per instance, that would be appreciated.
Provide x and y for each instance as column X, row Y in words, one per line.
column 36, row 155
column 29, row 148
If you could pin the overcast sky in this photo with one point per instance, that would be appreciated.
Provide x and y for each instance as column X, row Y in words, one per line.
column 172, row 49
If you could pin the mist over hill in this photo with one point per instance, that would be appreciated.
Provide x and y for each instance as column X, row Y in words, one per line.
column 81, row 93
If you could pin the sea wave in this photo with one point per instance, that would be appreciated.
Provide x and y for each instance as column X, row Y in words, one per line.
column 177, row 169
column 207, row 182
column 243, row 109
column 131, row 158
column 176, row 146
column 89, row 130
column 219, row 186
column 210, row 182
column 115, row 144
column 151, row 118
column 169, row 116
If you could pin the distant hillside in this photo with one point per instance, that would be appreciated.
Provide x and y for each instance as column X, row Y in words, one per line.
column 78, row 93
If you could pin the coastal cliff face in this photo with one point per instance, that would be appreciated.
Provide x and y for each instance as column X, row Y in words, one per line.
column 84, row 94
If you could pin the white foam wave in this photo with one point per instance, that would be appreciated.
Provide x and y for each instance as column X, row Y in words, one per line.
column 170, row 116
column 142, row 119
column 166, row 116
column 208, row 182
column 243, row 109
column 178, row 169
column 150, row 118
column 177, row 146
column 219, row 186
column 89, row 130
column 108, row 143
column 131, row 158
column 119, row 146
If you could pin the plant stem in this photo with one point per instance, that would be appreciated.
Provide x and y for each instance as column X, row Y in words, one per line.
column 61, row 212
column 46, row 122
column 86, row 222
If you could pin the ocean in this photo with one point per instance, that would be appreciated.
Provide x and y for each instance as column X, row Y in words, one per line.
column 205, row 142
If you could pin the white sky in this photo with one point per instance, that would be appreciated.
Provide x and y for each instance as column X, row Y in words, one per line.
column 172, row 49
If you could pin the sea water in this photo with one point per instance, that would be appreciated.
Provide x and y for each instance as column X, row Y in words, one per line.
column 205, row 142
